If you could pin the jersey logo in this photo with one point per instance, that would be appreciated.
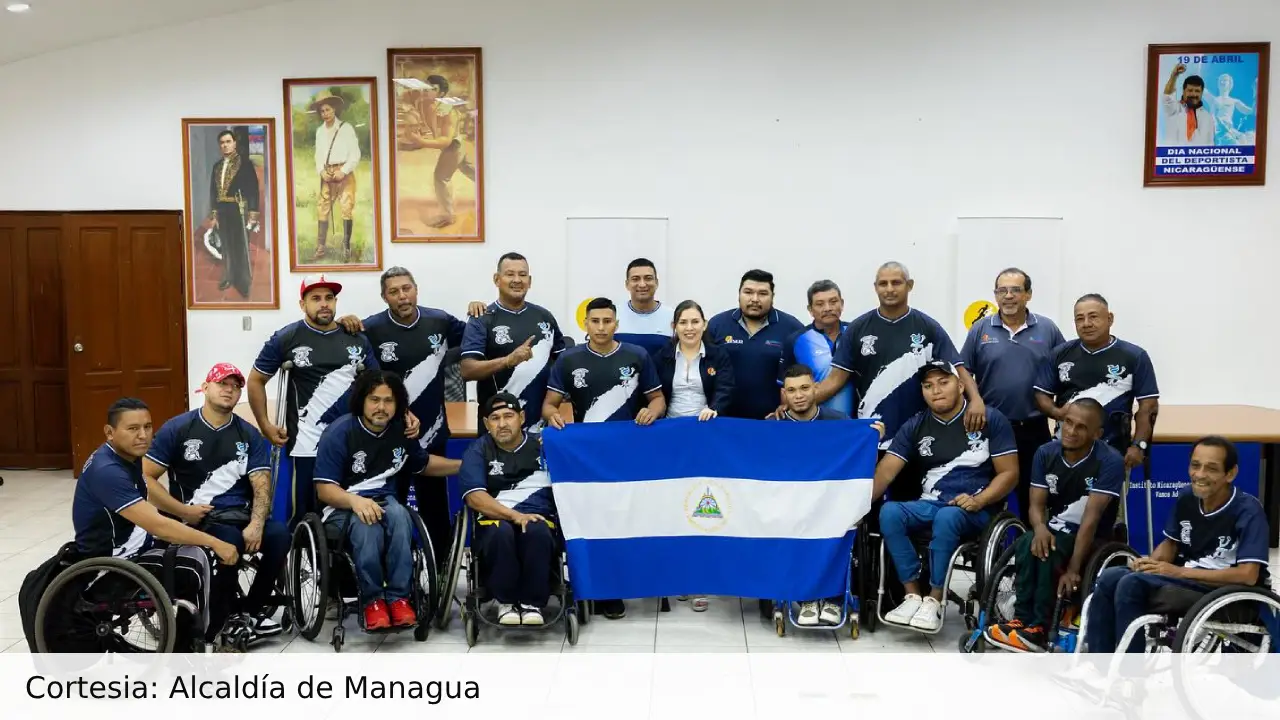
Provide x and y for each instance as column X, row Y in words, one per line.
column 355, row 354
column 495, row 467
column 926, row 446
column 1052, row 481
column 1184, row 536
column 388, row 352
column 976, row 443
column 502, row 335
column 625, row 373
column 436, row 341
column 191, row 450
column 1064, row 371
column 545, row 327
column 242, row 456
column 1226, row 548
column 1088, row 484
column 357, row 461
column 397, row 458
column 302, row 356
column 1115, row 373
column 869, row 345
column 917, row 343
column 580, row 378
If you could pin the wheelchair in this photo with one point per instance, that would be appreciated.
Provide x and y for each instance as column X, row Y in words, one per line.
column 320, row 571
column 783, row 612
column 464, row 556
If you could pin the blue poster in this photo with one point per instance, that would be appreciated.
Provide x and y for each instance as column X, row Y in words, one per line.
column 1207, row 107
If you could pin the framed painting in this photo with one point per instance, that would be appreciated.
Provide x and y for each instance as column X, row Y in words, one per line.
column 335, row 206
column 1207, row 114
column 229, row 170
column 437, row 165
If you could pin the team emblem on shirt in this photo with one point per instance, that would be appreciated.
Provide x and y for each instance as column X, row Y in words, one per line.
column 191, row 450
column 388, row 352
column 917, row 343
column 1184, row 536
column 502, row 335
column 436, row 340
column 868, row 345
column 1115, row 373
column 495, row 467
column 355, row 354
column 580, row 378
column 926, row 446
column 976, row 443
column 545, row 327
column 397, row 458
column 1088, row 484
column 302, row 356
column 1052, row 481
column 357, row 461
column 1226, row 549
column 626, row 372
column 1064, row 371
column 242, row 455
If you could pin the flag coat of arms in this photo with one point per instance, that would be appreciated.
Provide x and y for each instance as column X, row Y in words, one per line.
column 731, row 507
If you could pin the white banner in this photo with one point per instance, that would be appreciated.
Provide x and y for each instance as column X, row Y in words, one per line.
column 597, row 251
column 988, row 245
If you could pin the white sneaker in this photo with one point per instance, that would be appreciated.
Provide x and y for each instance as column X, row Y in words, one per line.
column 929, row 616
column 830, row 613
column 902, row 614
column 266, row 626
column 808, row 616
column 508, row 614
column 530, row 615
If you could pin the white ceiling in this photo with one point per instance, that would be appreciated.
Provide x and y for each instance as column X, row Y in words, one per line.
column 58, row 24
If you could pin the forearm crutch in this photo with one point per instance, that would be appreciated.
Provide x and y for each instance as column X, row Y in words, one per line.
column 280, row 419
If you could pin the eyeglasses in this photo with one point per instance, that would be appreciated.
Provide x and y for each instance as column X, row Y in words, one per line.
column 1010, row 291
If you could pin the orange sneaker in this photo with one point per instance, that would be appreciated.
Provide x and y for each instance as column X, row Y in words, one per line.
column 402, row 614
column 375, row 616
column 1015, row 634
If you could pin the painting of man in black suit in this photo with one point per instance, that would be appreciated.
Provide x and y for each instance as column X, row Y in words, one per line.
column 233, row 197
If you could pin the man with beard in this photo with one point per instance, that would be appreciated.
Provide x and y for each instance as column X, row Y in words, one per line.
column 754, row 335
column 233, row 188
column 219, row 470
column 815, row 345
column 641, row 321
column 412, row 342
column 337, row 155
column 1187, row 120
column 512, row 346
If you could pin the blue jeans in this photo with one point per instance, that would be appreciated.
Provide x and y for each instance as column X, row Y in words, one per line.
column 1120, row 597
column 385, row 544
column 951, row 526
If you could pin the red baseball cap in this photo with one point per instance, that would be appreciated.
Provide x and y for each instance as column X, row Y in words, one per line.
column 221, row 372
column 311, row 282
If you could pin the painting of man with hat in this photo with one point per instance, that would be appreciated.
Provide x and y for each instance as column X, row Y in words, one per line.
column 333, row 174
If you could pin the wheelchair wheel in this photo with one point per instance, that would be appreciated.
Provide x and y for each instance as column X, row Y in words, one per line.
column 309, row 576
column 571, row 627
column 425, row 581
column 997, row 596
column 1233, row 619
column 998, row 536
column 452, row 568
column 867, row 578
column 105, row 605
column 1104, row 557
column 470, row 629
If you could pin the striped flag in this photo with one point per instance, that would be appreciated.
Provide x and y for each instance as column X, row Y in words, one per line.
column 743, row 508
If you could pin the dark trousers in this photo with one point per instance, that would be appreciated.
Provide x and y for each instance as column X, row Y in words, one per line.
column 275, row 551
column 235, row 248
column 1035, row 589
column 1120, row 597
column 1029, row 435
column 517, row 564
column 304, row 491
column 431, row 494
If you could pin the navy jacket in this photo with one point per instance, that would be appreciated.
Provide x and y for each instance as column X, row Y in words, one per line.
column 716, row 370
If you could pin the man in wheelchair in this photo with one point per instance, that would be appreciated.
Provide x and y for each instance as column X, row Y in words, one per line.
column 357, row 460
column 504, row 480
column 219, row 481
column 965, row 474
column 1215, row 536
column 1073, row 483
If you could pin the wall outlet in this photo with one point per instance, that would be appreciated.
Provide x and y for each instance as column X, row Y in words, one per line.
column 246, row 323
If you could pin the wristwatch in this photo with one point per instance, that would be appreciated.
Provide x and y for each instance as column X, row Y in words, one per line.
column 1142, row 445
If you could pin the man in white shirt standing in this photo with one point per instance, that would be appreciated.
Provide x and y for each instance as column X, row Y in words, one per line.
column 337, row 154
column 641, row 321
column 1187, row 121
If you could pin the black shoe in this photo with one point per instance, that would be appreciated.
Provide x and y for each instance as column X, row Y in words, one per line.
column 611, row 609
column 224, row 284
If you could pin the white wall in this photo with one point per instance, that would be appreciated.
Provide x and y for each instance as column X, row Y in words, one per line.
column 812, row 137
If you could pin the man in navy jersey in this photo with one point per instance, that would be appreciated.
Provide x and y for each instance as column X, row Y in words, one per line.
column 219, row 481
column 504, row 480
column 512, row 346
column 358, row 457
column 884, row 349
column 1075, row 485
column 967, row 475
column 325, row 361
column 754, row 335
column 642, row 321
column 815, row 345
column 605, row 380
column 412, row 341
column 1216, row 536
column 1004, row 353
column 1113, row 372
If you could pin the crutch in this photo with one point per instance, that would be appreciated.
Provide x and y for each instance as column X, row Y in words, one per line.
column 282, row 407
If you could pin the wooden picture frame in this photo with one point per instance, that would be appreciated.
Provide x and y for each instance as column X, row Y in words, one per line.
column 1211, row 130
column 436, row 102
column 229, row 231
column 335, row 215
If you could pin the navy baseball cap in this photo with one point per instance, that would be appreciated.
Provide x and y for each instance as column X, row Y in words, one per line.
column 941, row 365
column 501, row 401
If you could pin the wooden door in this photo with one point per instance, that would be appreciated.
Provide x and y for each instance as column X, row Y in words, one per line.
column 126, row 318
column 34, row 415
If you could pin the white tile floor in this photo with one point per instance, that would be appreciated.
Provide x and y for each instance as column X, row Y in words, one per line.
column 35, row 520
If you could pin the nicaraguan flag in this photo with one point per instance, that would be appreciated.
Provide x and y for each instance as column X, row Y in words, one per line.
column 742, row 508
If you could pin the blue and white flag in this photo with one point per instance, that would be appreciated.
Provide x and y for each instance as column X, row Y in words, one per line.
column 742, row 508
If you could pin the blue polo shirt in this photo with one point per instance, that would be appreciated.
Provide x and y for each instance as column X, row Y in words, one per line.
column 755, row 359
column 1006, row 364
column 813, row 348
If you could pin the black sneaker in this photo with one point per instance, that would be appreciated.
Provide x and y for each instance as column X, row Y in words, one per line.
column 611, row 609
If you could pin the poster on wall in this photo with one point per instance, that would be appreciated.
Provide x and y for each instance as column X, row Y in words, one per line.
column 437, row 165
column 335, row 207
column 1207, row 114
column 230, row 237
